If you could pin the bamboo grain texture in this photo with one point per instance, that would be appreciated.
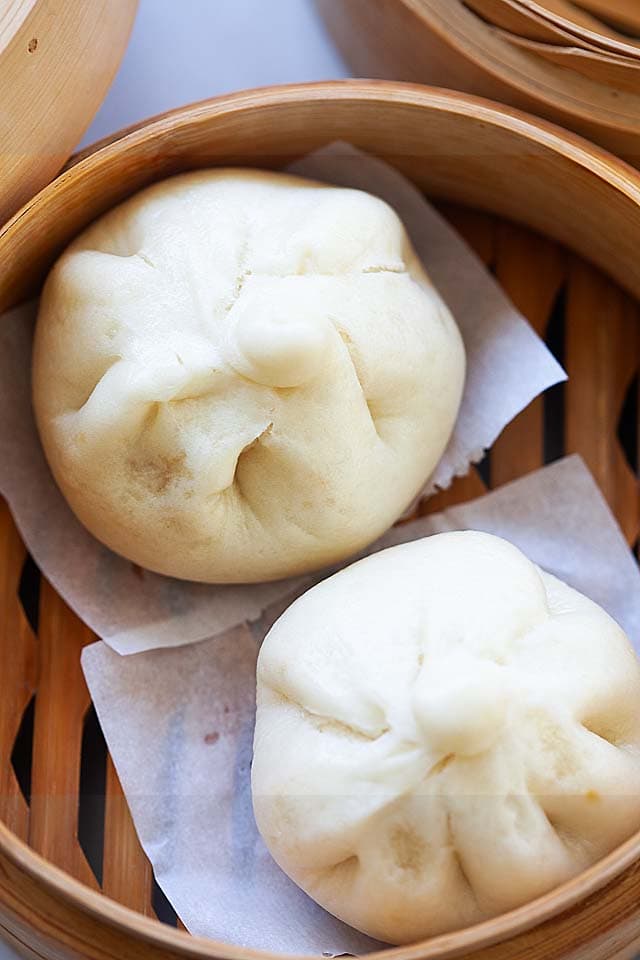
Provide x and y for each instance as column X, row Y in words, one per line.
column 18, row 655
column 624, row 12
column 511, row 17
column 127, row 874
column 611, row 70
column 577, row 14
column 601, row 36
column 57, row 60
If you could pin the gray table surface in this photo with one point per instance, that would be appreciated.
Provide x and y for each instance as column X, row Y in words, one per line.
column 189, row 50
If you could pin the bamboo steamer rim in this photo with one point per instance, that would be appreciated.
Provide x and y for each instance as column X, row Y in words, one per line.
column 539, row 132
column 572, row 147
column 582, row 33
column 538, row 84
column 587, row 62
column 581, row 16
column 476, row 937
column 522, row 71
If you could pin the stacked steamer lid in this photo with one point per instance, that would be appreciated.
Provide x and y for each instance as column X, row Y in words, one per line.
column 576, row 63
column 57, row 59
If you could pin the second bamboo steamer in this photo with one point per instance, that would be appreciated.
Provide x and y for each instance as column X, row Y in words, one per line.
column 452, row 45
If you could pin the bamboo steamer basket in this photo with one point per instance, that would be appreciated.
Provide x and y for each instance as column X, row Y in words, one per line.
column 452, row 45
column 566, row 16
column 558, row 222
column 625, row 13
column 582, row 17
column 528, row 22
column 560, row 20
column 57, row 60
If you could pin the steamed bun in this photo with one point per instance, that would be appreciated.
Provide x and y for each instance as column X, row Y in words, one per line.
column 443, row 733
column 242, row 375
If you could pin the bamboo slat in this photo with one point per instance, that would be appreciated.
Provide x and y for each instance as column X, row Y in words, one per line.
column 602, row 357
column 531, row 270
column 61, row 704
column 127, row 876
column 18, row 659
column 479, row 230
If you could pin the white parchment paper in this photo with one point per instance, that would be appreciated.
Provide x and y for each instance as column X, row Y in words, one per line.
column 179, row 722
column 497, row 387
column 134, row 610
